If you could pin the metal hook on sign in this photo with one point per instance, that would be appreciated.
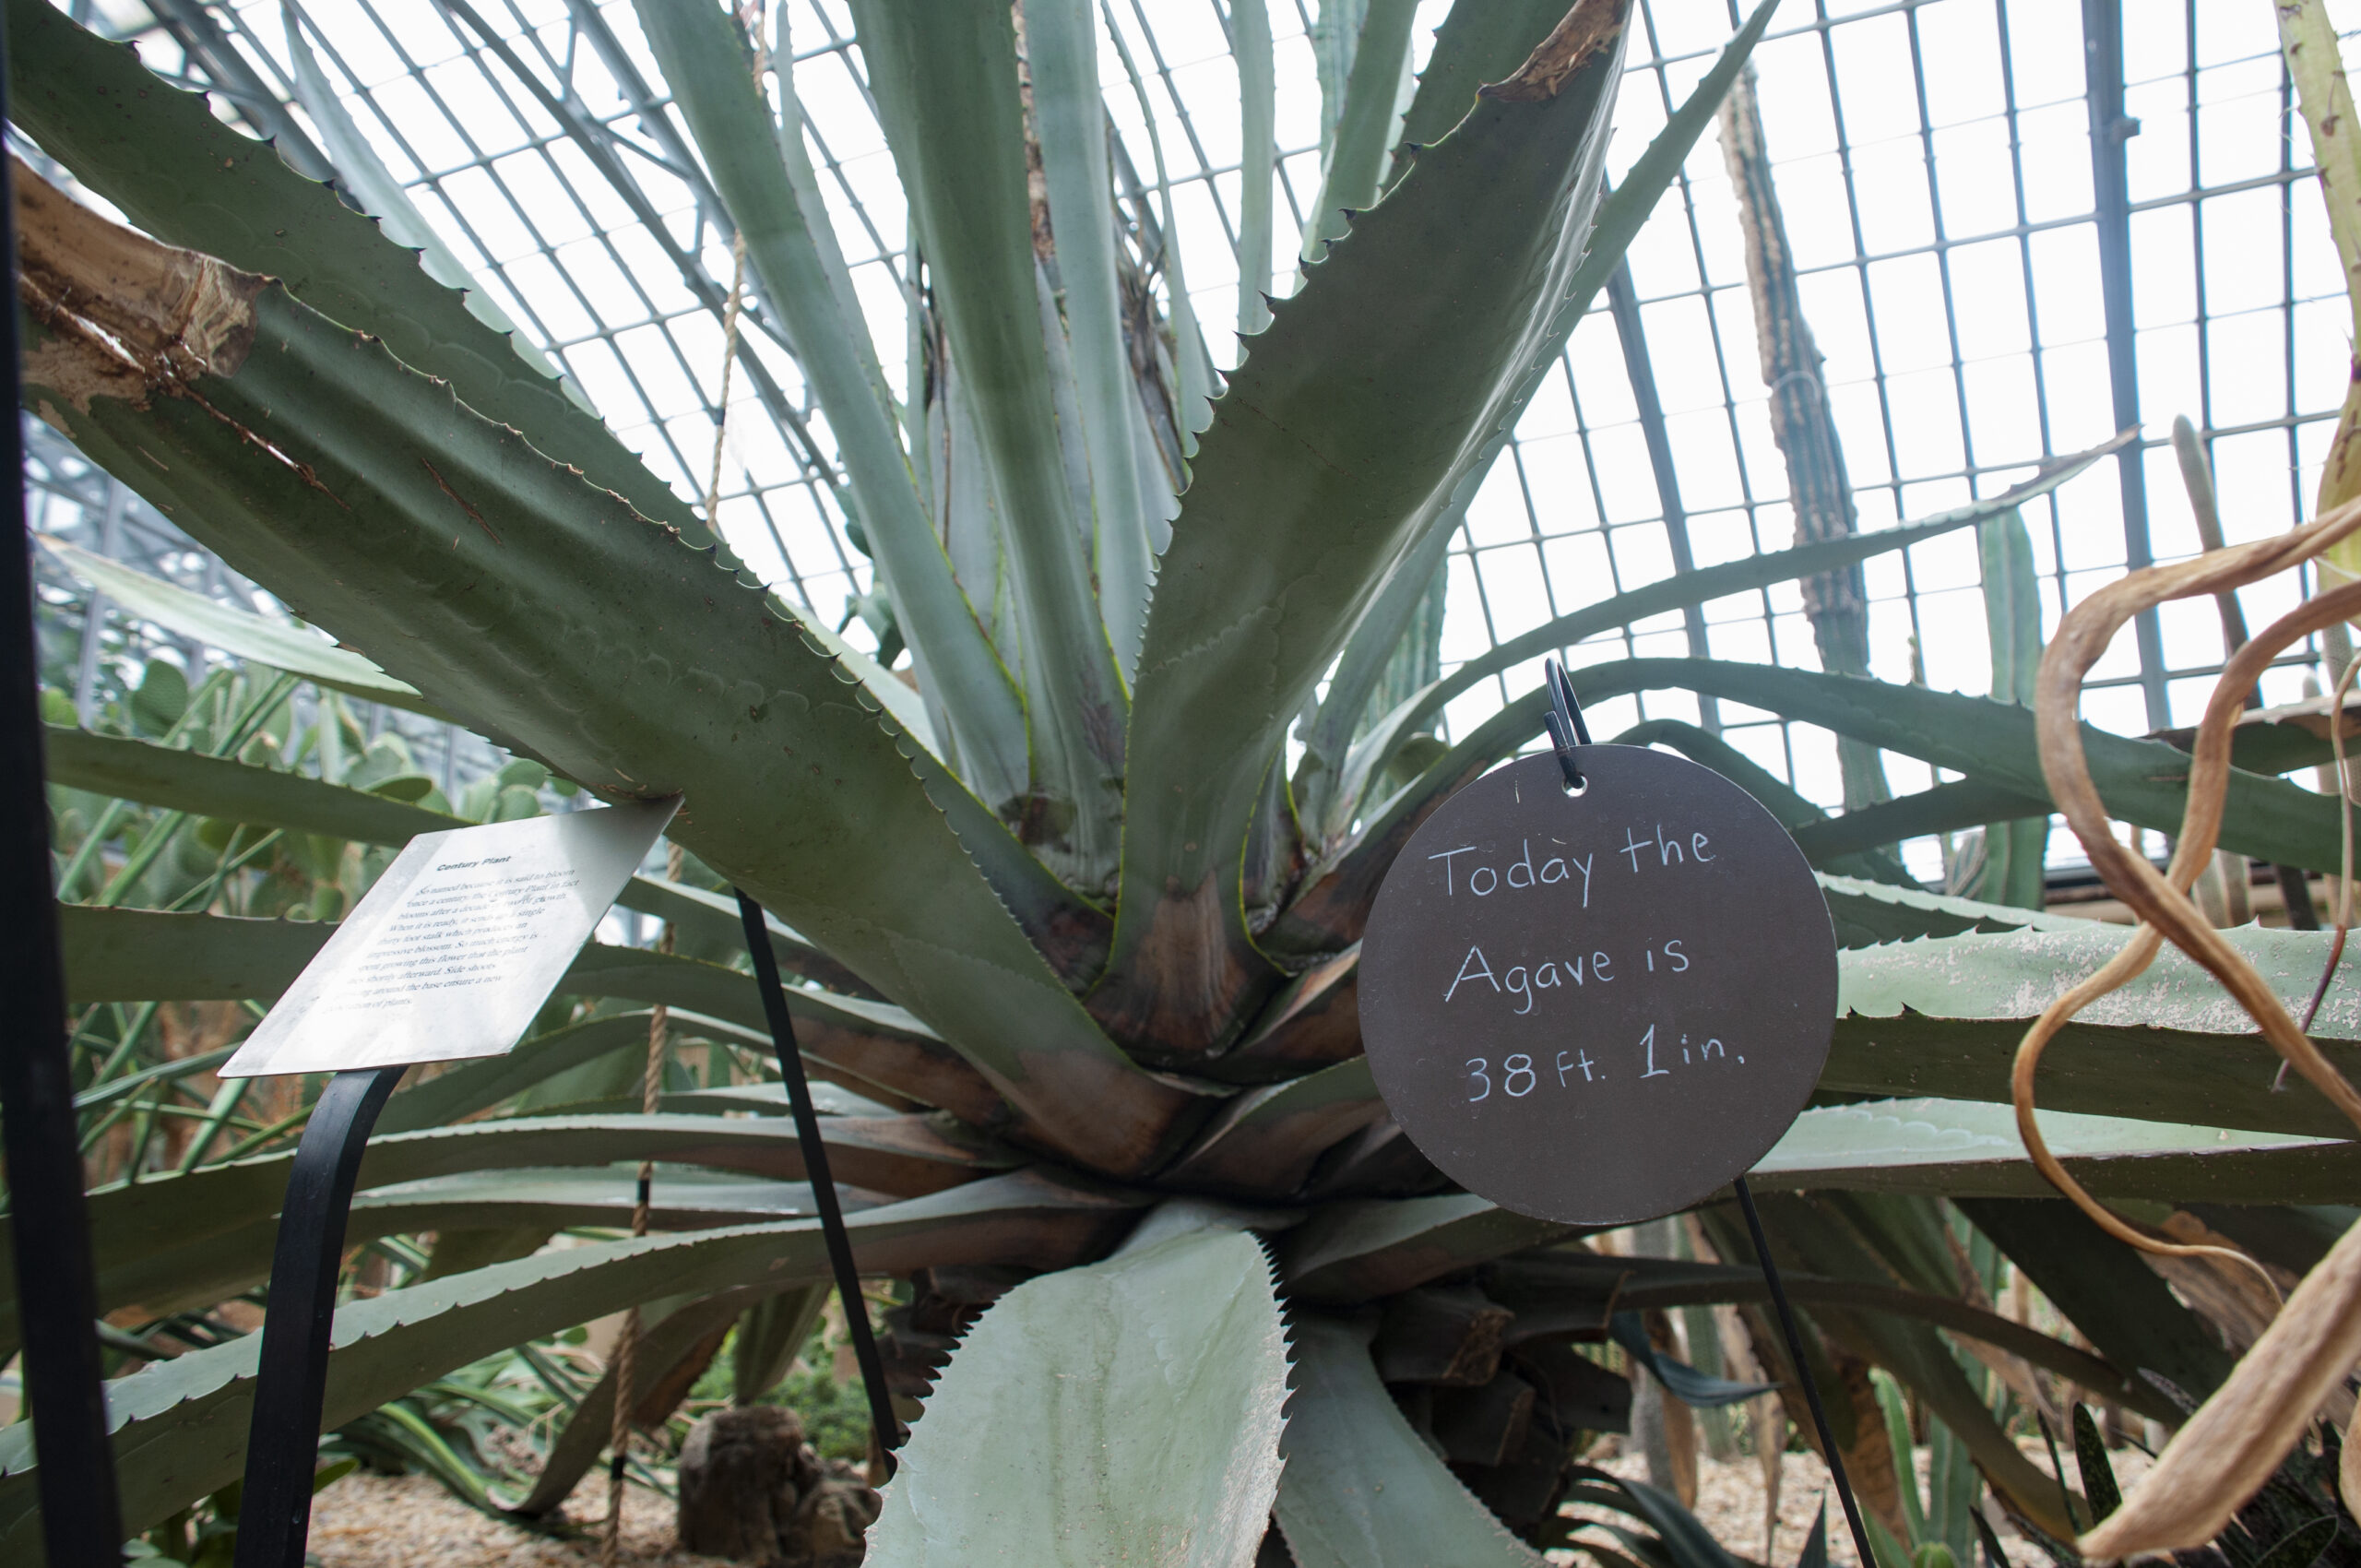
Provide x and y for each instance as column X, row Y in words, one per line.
column 1567, row 729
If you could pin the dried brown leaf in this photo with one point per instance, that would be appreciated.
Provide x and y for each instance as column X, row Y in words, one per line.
column 2238, row 1438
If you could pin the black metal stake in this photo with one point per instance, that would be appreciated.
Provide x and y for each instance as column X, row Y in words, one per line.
column 1803, row 1373
column 1566, row 732
column 57, row 1297
column 282, row 1442
column 823, row 1187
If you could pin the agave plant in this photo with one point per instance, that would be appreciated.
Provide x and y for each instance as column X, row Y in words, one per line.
column 1074, row 926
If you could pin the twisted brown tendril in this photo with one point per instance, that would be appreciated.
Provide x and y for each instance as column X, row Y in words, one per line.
column 2160, row 900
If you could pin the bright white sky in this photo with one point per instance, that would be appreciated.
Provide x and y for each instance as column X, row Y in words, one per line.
column 1947, row 372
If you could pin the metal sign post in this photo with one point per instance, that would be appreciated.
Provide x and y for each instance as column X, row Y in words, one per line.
column 275, row 1508
column 823, row 1187
column 57, row 1293
column 1803, row 1374
column 448, row 956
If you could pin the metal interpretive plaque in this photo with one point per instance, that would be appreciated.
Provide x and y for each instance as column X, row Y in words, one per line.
column 1598, row 1007
column 456, row 946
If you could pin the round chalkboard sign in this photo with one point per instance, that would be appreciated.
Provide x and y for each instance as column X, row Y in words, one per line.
column 1598, row 1007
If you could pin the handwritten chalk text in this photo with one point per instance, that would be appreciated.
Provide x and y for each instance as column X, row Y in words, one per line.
column 1516, row 1076
column 1525, row 982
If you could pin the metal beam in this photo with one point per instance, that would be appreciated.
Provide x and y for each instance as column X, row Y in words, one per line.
column 2110, row 185
column 593, row 142
column 1623, row 304
column 197, row 33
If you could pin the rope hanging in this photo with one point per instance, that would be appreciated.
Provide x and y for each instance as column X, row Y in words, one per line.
column 651, row 1085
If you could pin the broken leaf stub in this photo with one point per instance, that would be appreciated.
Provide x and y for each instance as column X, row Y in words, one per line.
column 1598, row 1007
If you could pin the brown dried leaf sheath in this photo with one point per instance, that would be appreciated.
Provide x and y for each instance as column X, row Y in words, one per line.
column 1590, row 27
column 131, row 314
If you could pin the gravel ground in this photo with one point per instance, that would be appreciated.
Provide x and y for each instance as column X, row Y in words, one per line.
column 411, row 1522
column 367, row 1521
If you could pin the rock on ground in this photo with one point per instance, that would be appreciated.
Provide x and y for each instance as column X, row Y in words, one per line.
column 752, row 1491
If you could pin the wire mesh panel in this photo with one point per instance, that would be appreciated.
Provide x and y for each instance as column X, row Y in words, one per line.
column 1940, row 176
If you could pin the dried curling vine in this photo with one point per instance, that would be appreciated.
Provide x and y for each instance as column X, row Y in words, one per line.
column 2230, row 1446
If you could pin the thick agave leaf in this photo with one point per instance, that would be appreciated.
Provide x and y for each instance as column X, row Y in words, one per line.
column 1070, row 123
column 364, row 176
column 1314, row 1021
column 1946, row 808
column 180, row 1426
column 1351, row 1252
column 2143, row 781
column 1869, row 913
column 1480, row 43
column 1799, row 816
column 1134, row 1413
column 172, row 167
column 1265, row 1143
column 172, row 1242
column 1685, row 590
column 1944, row 1017
column 1964, row 1147
column 151, row 955
column 513, row 591
column 1359, row 1490
column 2106, row 1289
column 1639, row 1284
column 1814, row 1236
column 2273, row 740
column 945, row 79
column 235, row 791
column 903, row 1155
column 239, row 632
column 470, row 1086
column 263, row 641
column 1249, row 45
column 792, row 254
column 1314, row 477
column 118, row 954
column 548, row 1201
column 1364, row 121
column 755, row 1099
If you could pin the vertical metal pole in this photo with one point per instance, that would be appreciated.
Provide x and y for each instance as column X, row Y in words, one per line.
column 56, row 1292
column 2110, row 183
column 1803, row 1374
column 824, row 1186
column 291, row 1384
column 1623, row 304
